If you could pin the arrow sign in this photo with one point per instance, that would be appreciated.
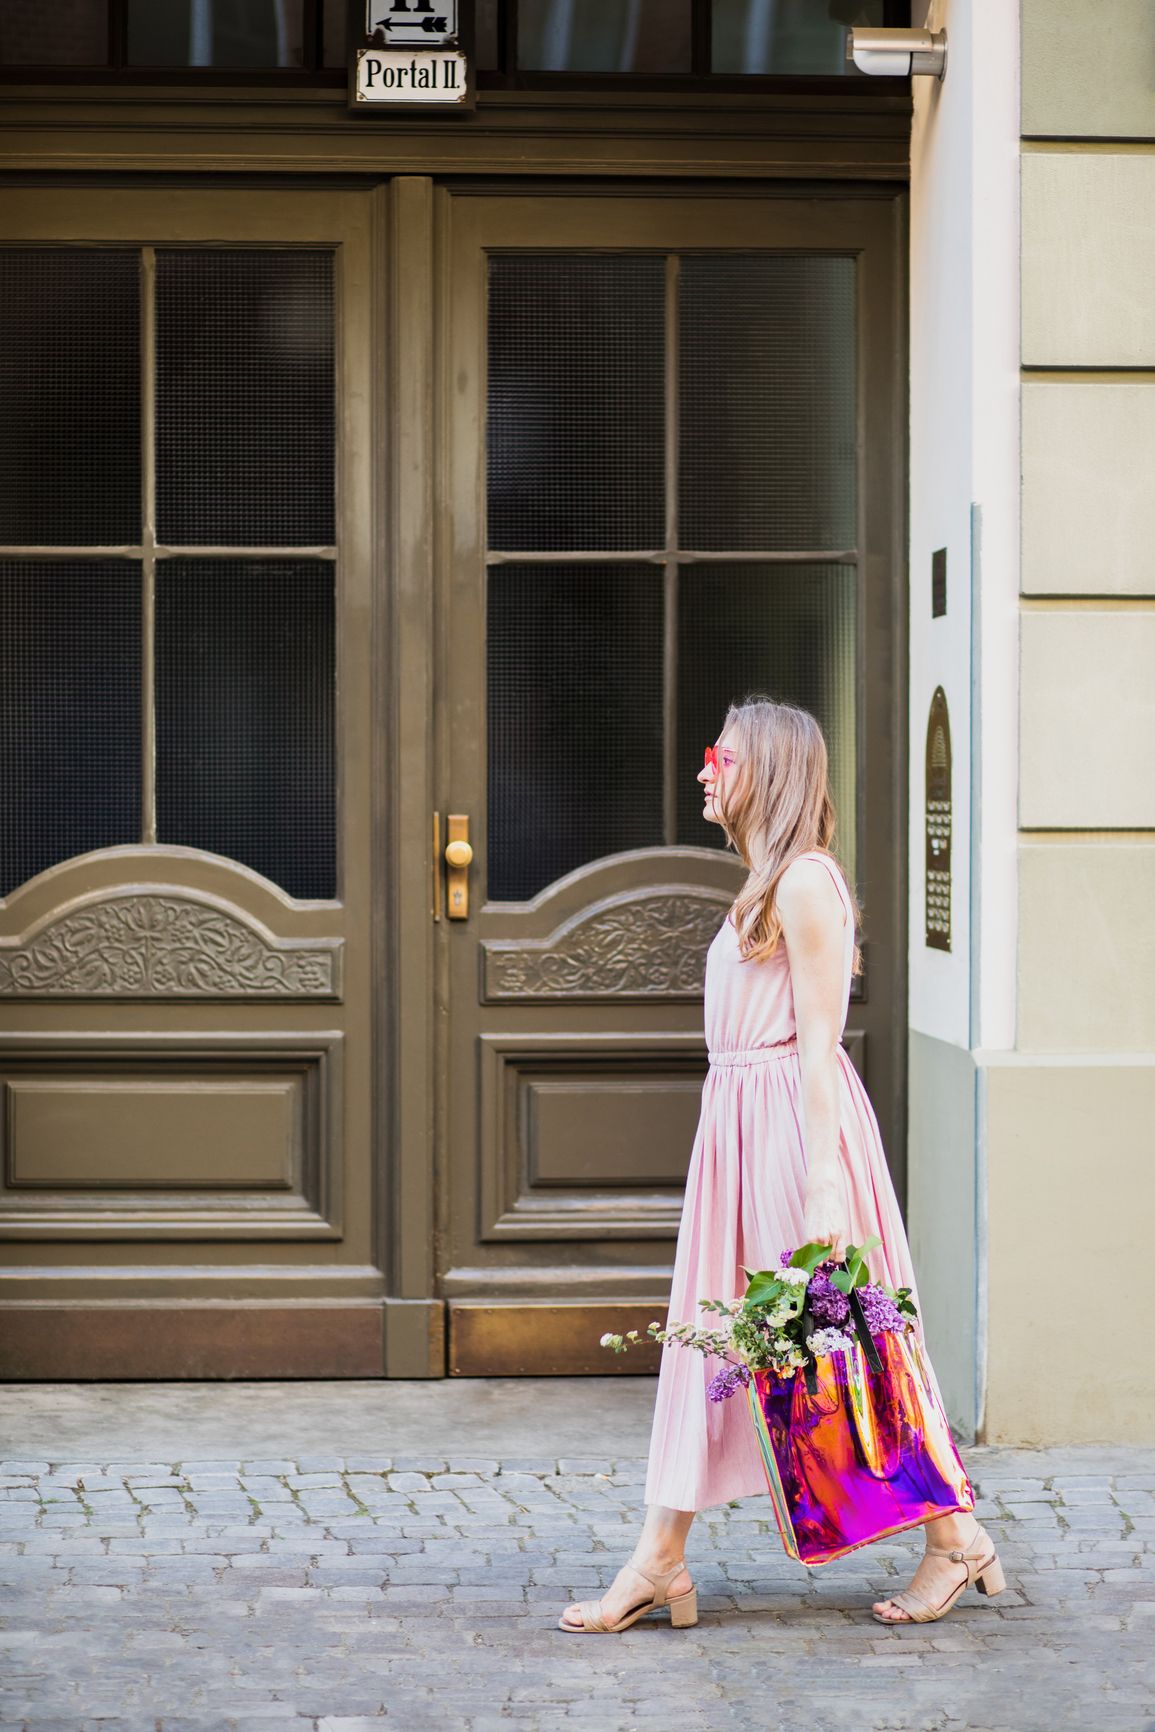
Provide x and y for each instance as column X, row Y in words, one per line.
column 412, row 21
column 431, row 26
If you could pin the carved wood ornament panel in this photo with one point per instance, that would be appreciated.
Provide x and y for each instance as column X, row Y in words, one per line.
column 646, row 946
column 164, row 945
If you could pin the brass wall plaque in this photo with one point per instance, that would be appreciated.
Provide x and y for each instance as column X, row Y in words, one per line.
column 938, row 823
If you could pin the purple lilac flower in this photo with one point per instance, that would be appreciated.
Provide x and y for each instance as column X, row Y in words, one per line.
column 881, row 1313
column 784, row 1259
column 723, row 1386
column 827, row 1304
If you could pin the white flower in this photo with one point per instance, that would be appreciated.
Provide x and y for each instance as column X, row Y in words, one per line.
column 798, row 1277
column 828, row 1341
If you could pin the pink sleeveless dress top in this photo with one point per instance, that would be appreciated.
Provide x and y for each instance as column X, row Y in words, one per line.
column 745, row 1197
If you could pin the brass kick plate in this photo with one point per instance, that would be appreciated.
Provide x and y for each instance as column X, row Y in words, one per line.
column 550, row 1340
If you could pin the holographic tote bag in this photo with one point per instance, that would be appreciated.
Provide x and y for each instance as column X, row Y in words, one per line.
column 857, row 1448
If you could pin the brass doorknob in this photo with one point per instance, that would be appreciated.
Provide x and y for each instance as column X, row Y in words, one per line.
column 458, row 854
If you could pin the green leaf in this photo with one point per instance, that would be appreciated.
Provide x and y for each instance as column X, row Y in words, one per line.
column 841, row 1279
column 809, row 1256
column 787, row 1303
column 856, row 1260
column 761, row 1284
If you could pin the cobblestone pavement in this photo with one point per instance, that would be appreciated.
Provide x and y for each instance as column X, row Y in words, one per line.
column 340, row 1594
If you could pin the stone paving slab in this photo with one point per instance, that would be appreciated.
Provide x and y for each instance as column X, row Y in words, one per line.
column 359, row 1594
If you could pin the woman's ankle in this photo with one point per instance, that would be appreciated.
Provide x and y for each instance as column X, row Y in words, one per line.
column 658, row 1562
column 952, row 1531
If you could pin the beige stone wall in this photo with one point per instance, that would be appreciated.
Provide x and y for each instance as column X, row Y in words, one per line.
column 1087, row 948
column 1086, row 69
column 1088, row 465
column 1069, row 1178
column 1066, row 1119
column 1087, row 717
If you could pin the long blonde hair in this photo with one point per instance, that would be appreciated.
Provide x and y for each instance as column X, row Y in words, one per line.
column 780, row 801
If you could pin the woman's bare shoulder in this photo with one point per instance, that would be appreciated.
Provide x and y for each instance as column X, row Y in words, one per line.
column 806, row 891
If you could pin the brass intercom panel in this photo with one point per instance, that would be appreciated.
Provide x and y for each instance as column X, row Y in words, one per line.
column 938, row 823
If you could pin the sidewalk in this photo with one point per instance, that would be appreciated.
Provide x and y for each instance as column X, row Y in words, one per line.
column 408, row 1570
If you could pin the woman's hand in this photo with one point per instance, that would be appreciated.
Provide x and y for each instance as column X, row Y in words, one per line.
column 826, row 1221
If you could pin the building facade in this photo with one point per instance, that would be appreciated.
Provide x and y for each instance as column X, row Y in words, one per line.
column 395, row 501
column 1031, row 1079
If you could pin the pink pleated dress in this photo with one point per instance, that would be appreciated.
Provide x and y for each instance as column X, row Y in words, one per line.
column 745, row 1195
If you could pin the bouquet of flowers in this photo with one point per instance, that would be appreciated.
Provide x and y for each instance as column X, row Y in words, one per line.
column 787, row 1317
column 856, row 1448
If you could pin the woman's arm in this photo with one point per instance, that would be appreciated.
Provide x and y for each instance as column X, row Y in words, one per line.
column 814, row 929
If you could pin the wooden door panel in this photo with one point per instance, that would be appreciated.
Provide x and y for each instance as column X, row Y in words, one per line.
column 157, row 1139
column 585, row 1137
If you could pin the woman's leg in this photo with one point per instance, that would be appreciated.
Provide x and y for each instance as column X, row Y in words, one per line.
column 936, row 1578
column 661, row 1545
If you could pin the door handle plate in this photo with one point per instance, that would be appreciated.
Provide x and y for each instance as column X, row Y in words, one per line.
column 458, row 855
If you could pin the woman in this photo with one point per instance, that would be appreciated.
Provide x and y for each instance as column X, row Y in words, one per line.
column 787, row 1152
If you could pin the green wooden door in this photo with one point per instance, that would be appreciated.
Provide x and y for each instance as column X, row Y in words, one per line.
column 187, row 967
column 671, row 459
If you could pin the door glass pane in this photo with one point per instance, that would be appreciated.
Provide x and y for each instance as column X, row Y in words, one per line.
column 69, row 711
column 69, row 397
column 487, row 35
column 575, row 719
column 576, row 416
column 787, row 36
column 245, row 676
column 644, row 36
column 257, row 33
column 781, row 631
column 245, row 408
column 767, row 363
column 333, row 43
column 38, row 33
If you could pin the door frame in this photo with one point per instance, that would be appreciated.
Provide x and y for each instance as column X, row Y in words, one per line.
column 418, row 405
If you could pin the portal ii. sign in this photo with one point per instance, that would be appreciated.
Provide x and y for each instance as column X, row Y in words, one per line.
column 411, row 56
column 396, row 75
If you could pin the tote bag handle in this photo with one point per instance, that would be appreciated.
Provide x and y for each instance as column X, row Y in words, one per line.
column 861, row 1329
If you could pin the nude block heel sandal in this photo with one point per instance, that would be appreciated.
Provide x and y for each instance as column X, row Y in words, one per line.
column 683, row 1607
column 984, row 1572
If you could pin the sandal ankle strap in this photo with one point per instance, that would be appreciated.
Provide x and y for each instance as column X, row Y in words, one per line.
column 963, row 1554
column 665, row 1576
